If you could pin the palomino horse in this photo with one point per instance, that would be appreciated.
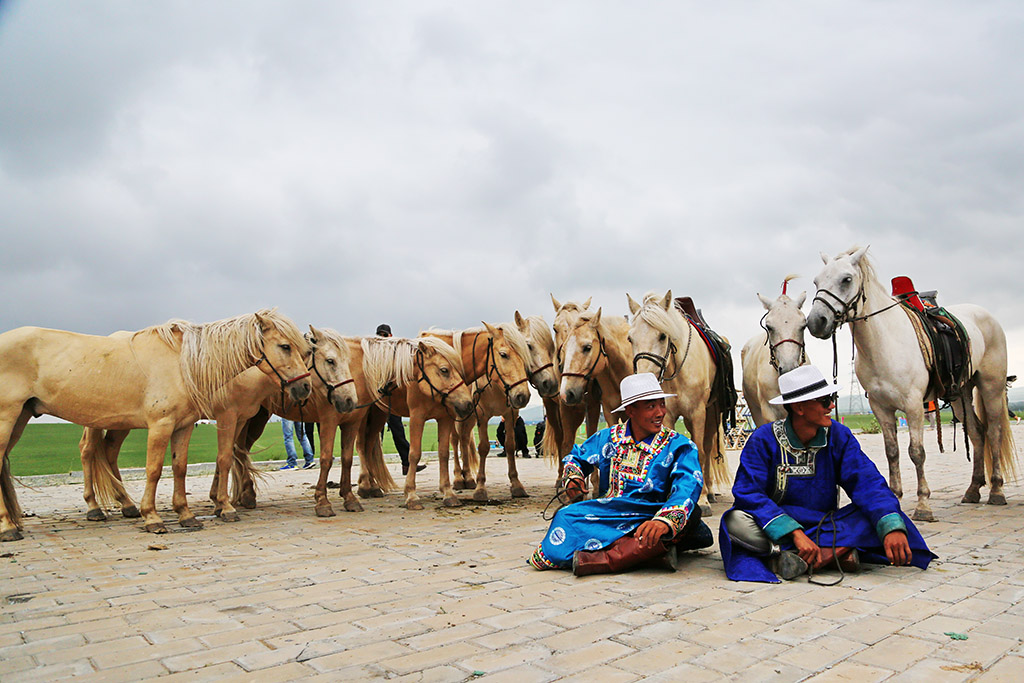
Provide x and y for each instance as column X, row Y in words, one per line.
column 420, row 379
column 161, row 378
column 766, row 356
column 564, row 420
column 539, row 348
column 492, row 357
column 665, row 344
column 242, row 398
column 891, row 368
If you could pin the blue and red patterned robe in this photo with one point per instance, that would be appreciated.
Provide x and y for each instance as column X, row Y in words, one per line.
column 658, row 478
column 787, row 485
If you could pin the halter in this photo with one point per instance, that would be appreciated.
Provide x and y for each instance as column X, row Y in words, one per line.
column 330, row 387
column 597, row 359
column 662, row 361
column 282, row 380
column 434, row 391
column 530, row 376
column 489, row 358
column 772, row 358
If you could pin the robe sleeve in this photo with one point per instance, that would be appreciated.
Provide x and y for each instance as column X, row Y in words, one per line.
column 864, row 484
column 755, row 479
column 685, row 484
column 582, row 458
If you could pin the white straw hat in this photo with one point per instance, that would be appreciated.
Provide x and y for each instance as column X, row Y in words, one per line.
column 803, row 384
column 642, row 386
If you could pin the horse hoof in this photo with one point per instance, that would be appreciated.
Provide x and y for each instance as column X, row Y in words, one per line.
column 470, row 483
column 459, row 485
column 191, row 523
column 157, row 528
column 452, row 502
column 712, row 497
column 352, row 505
column 131, row 512
column 376, row 492
column 923, row 516
column 96, row 515
column 519, row 492
column 247, row 501
column 413, row 505
column 11, row 535
column 480, row 495
column 705, row 510
column 228, row 516
column 996, row 499
column 324, row 510
column 971, row 497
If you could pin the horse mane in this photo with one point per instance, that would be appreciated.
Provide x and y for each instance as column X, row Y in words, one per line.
column 540, row 332
column 515, row 338
column 670, row 322
column 391, row 360
column 335, row 338
column 211, row 354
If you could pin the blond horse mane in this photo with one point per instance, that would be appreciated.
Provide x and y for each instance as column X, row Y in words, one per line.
column 389, row 360
column 211, row 354
column 670, row 322
column 540, row 332
column 335, row 338
column 515, row 338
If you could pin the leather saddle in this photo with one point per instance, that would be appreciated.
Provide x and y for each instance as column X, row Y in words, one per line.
column 723, row 390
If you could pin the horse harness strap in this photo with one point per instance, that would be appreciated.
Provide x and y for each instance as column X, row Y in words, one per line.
column 282, row 380
column 946, row 349
column 330, row 387
column 597, row 359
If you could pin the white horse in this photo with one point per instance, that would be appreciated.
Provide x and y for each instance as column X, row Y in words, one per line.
column 891, row 367
column 776, row 351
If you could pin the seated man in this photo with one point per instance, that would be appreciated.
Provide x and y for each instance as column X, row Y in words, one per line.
column 785, row 520
column 650, row 481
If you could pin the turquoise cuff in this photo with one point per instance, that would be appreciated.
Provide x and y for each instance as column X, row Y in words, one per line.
column 780, row 526
column 891, row 522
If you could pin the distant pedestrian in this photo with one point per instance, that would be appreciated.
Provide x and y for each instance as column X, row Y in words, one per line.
column 289, row 432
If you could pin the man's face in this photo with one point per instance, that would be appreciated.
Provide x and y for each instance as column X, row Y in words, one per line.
column 646, row 417
column 817, row 411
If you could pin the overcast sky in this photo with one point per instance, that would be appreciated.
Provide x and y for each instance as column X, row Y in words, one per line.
column 437, row 163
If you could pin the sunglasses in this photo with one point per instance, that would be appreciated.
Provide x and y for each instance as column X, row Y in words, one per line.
column 826, row 401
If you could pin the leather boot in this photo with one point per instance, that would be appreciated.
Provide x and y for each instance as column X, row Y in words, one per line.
column 847, row 558
column 619, row 556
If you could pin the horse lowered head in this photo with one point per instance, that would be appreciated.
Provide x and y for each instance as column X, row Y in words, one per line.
column 784, row 325
column 582, row 354
column 283, row 354
column 330, row 366
column 541, row 362
column 443, row 377
column 840, row 291
column 509, row 352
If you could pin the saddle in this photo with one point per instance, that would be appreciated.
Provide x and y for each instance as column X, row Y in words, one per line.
column 723, row 388
column 943, row 340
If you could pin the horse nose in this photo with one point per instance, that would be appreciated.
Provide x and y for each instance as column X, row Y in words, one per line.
column 344, row 405
column 816, row 325
column 548, row 387
column 301, row 390
column 519, row 399
column 571, row 397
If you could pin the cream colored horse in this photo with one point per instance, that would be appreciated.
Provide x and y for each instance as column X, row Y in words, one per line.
column 161, row 378
column 492, row 356
column 244, row 394
column 779, row 349
column 532, row 339
column 665, row 343
column 420, row 379
column 891, row 368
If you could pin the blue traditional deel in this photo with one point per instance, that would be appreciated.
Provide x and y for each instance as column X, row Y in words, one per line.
column 657, row 478
column 787, row 485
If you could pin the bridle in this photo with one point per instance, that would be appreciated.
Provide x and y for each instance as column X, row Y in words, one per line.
column 493, row 370
column 284, row 382
column 531, row 375
column 662, row 361
column 597, row 359
column 772, row 358
column 330, row 387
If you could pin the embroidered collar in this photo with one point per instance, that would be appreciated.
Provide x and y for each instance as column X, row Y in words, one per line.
column 653, row 444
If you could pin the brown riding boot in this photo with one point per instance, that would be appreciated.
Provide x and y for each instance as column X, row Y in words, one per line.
column 848, row 559
column 619, row 556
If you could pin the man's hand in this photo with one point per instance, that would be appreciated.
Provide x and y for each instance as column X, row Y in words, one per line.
column 897, row 548
column 575, row 489
column 650, row 532
column 807, row 549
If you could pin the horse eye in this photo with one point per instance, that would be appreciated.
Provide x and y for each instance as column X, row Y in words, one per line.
column 630, row 339
column 587, row 347
column 444, row 371
column 848, row 279
column 661, row 337
column 529, row 345
column 286, row 347
column 330, row 361
column 503, row 354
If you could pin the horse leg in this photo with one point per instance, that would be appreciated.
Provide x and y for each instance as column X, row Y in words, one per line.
column 112, row 442
column 483, row 447
column 412, row 501
column 695, row 425
column 322, row 506
column 516, row 486
column 222, row 507
column 963, row 410
column 156, row 448
column 179, row 466
column 994, row 419
column 368, row 441
column 887, row 423
column 444, row 433
column 88, row 447
column 348, row 445
column 915, row 421
column 10, row 510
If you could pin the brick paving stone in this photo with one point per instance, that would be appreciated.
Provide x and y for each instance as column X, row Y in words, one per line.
column 525, row 673
column 381, row 651
column 217, row 655
column 853, row 672
column 897, row 652
column 1007, row 670
column 596, row 653
column 659, row 658
column 978, row 647
column 731, row 659
column 572, row 639
column 599, row 673
column 128, row 674
column 515, row 636
column 113, row 660
column 934, row 628
column 213, row 674
column 291, row 671
column 800, row 630
column 820, row 653
column 417, row 661
column 937, row 671
column 506, row 658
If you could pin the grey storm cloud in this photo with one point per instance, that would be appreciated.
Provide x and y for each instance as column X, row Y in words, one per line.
column 444, row 163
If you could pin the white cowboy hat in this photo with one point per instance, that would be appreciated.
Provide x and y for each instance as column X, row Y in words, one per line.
column 642, row 386
column 803, row 384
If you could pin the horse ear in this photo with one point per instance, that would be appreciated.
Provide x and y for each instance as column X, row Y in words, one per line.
column 666, row 303
column 765, row 301
column 596, row 320
column 520, row 322
column 859, row 254
column 424, row 348
column 492, row 330
column 262, row 322
column 314, row 335
column 801, row 299
column 824, row 257
column 586, row 304
column 633, row 306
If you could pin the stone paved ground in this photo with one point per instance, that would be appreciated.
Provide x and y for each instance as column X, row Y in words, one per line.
column 445, row 595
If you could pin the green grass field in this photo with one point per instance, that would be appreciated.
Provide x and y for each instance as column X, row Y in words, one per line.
column 53, row 448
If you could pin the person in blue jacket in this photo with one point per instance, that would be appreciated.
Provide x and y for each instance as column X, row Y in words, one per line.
column 786, row 519
column 646, row 506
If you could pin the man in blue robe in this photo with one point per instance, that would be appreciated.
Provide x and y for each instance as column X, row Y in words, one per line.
column 650, row 480
column 786, row 518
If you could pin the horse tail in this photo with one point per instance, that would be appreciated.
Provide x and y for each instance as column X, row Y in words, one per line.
column 1006, row 455
column 243, row 470
column 470, row 459
column 371, row 462
column 9, row 494
column 552, row 430
column 107, row 488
